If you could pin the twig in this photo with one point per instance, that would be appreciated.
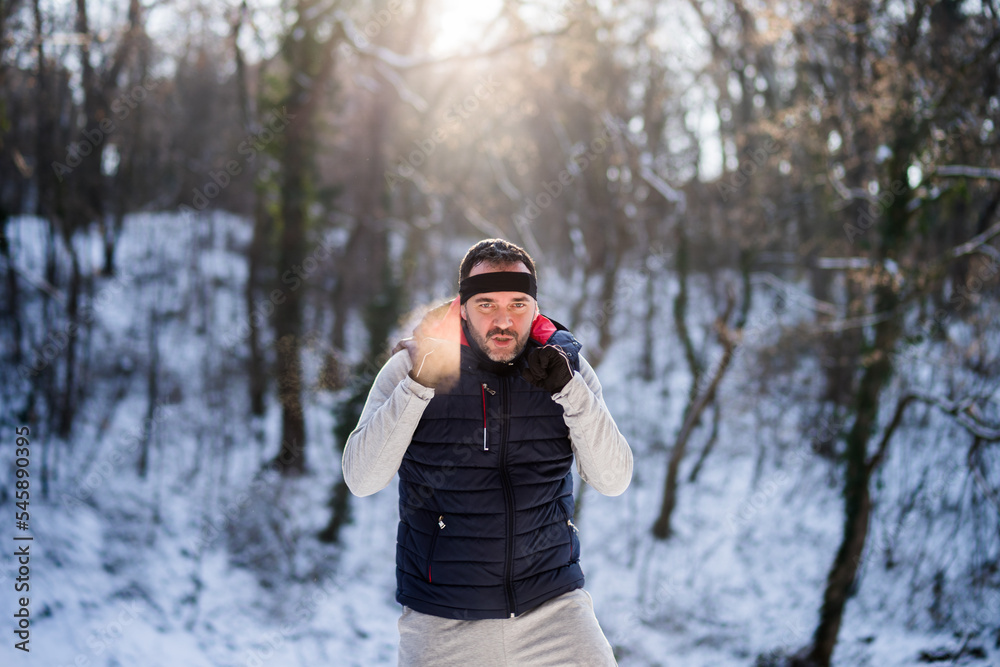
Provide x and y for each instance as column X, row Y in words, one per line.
column 978, row 243
column 967, row 170
column 850, row 194
column 404, row 92
column 40, row 284
column 978, row 475
column 401, row 62
column 661, row 186
column 876, row 460
column 853, row 322
column 957, row 409
column 795, row 294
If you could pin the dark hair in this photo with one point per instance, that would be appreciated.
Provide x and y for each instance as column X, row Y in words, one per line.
column 497, row 252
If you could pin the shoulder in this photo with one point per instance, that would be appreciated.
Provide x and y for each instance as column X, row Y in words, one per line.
column 556, row 334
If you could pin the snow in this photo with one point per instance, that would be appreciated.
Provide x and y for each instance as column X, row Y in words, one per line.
column 166, row 570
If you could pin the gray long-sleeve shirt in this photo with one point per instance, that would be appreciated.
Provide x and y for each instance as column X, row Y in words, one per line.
column 396, row 402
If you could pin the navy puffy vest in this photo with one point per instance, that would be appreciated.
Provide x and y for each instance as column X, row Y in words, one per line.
column 486, row 531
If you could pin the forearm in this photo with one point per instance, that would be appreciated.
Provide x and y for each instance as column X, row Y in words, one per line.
column 603, row 456
column 376, row 447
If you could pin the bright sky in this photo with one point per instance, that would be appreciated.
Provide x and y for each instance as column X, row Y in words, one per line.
column 459, row 24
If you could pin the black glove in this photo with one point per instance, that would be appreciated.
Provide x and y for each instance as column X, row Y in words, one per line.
column 547, row 368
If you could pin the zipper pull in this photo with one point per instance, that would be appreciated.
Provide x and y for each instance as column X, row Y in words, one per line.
column 569, row 522
column 485, row 389
column 441, row 521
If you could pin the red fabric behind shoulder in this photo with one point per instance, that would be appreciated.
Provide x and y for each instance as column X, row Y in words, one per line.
column 542, row 329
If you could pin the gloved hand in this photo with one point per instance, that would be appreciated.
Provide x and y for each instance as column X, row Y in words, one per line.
column 547, row 368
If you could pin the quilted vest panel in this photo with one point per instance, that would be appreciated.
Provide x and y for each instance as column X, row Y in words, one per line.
column 485, row 527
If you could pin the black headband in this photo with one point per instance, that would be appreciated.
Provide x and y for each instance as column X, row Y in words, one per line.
column 501, row 281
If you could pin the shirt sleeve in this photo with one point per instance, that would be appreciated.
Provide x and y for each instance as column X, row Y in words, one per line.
column 603, row 457
column 392, row 411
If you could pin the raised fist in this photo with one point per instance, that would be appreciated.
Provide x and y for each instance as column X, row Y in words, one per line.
column 434, row 348
column 435, row 361
column 547, row 368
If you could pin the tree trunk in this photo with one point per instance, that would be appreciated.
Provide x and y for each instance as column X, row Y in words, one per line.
column 857, row 494
column 661, row 527
column 11, row 308
column 256, row 252
column 306, row 86
column 152, row 394
column 746, row 265
column 67, row 407
column 648, row 334
column 255, row 255
column 857, row 499
column 291, row 457
column 713, row 438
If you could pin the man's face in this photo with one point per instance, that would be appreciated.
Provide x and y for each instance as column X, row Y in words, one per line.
column 500, row 322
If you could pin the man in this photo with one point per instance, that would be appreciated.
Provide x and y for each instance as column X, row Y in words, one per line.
column 481, row 414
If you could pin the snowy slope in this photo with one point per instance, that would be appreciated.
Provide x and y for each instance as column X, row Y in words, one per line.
column 158, row 571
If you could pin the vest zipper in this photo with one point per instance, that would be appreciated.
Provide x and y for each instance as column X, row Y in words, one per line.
column 434, row 539
column 485, row 389
column 572, row 529
column 508, row 493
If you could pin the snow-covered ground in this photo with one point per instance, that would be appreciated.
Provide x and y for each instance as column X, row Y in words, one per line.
column 202, row 563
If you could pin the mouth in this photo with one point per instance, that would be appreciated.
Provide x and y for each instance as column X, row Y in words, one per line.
column 503, row 339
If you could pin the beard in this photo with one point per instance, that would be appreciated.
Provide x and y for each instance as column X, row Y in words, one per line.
column 504, row 355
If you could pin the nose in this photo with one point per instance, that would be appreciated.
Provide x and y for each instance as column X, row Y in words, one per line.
column 503, row 320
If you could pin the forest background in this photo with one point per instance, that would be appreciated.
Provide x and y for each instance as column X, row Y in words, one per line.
column 773, row 225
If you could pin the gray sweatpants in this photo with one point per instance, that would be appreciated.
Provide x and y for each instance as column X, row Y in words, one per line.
column 561, row 632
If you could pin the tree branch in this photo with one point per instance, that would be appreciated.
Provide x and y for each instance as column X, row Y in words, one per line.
column 402, row 62
column 876, row 460
column 40, row 284
column 960, row 410
column 967, row 170
column 978, row 244
column 978, row 474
